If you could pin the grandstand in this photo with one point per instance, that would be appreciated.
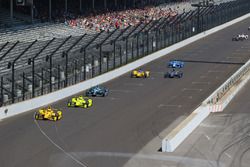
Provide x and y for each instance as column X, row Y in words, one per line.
column 41, row 32
column 41, row 58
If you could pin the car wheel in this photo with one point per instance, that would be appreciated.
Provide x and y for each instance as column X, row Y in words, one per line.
column 36, row 117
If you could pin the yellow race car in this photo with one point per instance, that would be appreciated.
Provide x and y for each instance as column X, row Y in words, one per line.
column 80, row 101
column 139, row 74
column 48, row 114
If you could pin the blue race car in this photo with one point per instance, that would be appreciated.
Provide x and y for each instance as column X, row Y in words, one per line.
column 97, row 91
column 176, row 64
column 173, row 74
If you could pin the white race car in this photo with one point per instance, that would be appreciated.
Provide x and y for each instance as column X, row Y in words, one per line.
column 240, row 37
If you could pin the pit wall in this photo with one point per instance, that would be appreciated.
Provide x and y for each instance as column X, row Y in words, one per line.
column 31, row 104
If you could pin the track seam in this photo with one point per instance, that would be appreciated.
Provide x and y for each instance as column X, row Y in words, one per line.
column 60, row 148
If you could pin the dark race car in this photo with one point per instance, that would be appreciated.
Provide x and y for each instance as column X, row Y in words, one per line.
column 97, row 91
column 173, row 74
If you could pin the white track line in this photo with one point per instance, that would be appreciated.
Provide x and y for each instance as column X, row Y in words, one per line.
column 205, row 83
column 169, row 105
column 210, row 71
column 228, row 155
column 60, row 148
column 191, row 89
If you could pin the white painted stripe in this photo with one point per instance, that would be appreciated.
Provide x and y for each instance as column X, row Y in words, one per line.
column 208, row 138
column 228, row 155
column 169, row 105
column 205, row 83
column 191, row 89
column 143, row 156
column 216, row 71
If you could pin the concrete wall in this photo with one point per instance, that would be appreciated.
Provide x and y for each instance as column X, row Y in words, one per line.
column 185, row 128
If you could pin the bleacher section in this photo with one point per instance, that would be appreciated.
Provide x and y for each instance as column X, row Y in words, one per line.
column 41, row 32
column 5, row 20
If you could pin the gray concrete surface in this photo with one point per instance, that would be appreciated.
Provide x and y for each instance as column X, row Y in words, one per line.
column 126, row 128
column 222, row 140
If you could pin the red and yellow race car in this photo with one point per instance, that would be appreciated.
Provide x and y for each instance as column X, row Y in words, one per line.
column 48, row 114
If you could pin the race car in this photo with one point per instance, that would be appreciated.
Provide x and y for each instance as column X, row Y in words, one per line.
column 97, row 91
column 140, row 74
column 240, row 37
column 176, row 64
column 80, row 101
column 48, row 114
column 173, row 74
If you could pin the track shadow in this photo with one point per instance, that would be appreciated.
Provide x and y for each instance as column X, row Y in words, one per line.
column 213, row 62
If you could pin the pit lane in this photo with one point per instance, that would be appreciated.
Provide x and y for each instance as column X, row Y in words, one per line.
column 137, row 111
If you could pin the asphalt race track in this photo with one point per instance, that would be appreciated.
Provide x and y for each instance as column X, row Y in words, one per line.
column 135, row 114
column 222, row 140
